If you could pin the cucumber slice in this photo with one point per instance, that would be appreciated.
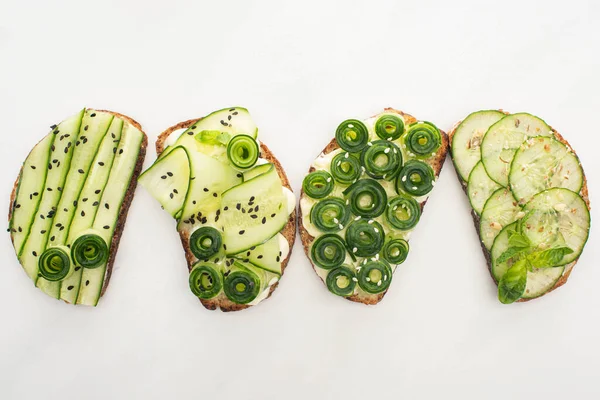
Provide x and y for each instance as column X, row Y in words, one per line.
column 259, row 169
column 203, row 198
column 558, row 217
column 233, row 120
column 243, row 225
column 542, row 163
column 480, row 187
column 504, row 138
column 35, row 243
column 31, row 184
column 93, row 190
column 107, row 216
column 268, row 255
column 539, row 281
column 467, row 137
column 168, row 180
column 500, row 210
column 95, row 125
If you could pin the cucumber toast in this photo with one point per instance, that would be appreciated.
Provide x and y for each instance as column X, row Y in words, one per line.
column 362, row 198
column 70, row 202
column 233, row 206
column 529, row 197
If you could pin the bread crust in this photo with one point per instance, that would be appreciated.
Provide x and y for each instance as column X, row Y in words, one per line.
column 116, row 239
column 477, row 221
column 307, row 239
column 289, row 230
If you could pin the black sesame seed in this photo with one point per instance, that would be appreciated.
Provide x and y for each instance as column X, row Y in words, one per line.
column 106, row 227
column 175, row 191
column 171, row 195
column 52, row 126
column 61, row 229
column 59, row 189
column 264, row 220
column 277, row 259
column 84, row 199
column 251, row 209
column 42, row 216
column 273, row 215
column 80, row 171
column 252, row 198
column 70, row 287
column 224, row 247
column 52, row 239
column 17, row 206
column 163, row 177
column 85, row 128
column 215, row 195
column 193, row 201
column 77, row 268
column 112, row 135
column 82, row 213
column 43, row 231
column 239, row 175
column 92, row 115
column 106, row 206
column 34, row 253
column 225, row 208
column 87, row 282
column 246, row 260
column 114, row 149
column 49, row 189
column 223, row 123
column 204, row 220
column 75, row 203
column 95, row 204
column 243, row 211
column 259, row 257
column 100, row 163
column 254, row 216
column 238, row 206
column 235, row 113
column 120, row 151
column 231, row 109
column 20, row 229
column 242, row 232
column 170, row 173
column 33, row 167
column 50, row 165
column 248, row 253
column 205, row 189
column 65, row 209
column 77, row 143
column 229, row 117
column 97, row 191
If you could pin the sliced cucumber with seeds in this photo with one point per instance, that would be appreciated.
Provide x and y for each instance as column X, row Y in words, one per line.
column 500, row 210
column 94, row 127
column 466, row 152
column 542, row 163
column 480, row 187
column 203, row 198
column 558, row 217
column 253, row 212
column 259, row 169
column 539, row 280
column 268, row 255
column 86, row 211
column 92, row 280
column 35, row 244
column 234, row 121
column 504, row 138
column 31, row 184
column 168, row 180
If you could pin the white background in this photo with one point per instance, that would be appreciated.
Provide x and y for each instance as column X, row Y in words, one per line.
column 301, row 68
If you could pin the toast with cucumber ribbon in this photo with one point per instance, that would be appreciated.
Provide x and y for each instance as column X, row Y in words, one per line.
column 529, row 199
column 232, row 203
column 70, row 202
column 363, row 197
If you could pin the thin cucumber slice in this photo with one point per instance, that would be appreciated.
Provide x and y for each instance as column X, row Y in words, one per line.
column 542, row 163
column 203, row 199
column 233, row 120
column 35, row 243
column 480, row 187
column 253, row 212
column 93, row 190
column 259, row 169
column 168, row 180
column 504, row 138
column 31, row 184
column 500, row 210
column 558, row 217
column 466, row 141
column 94, row 127
column 268, row 255
column 539, row 281
column 92, row 280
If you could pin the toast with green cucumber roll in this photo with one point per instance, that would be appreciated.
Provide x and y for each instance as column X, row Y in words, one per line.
column 529, row 197
column 70, row 202
column 362, row 198
column 232, row 203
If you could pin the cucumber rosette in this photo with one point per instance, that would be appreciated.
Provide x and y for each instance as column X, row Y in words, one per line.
column 330, row 215
column 345, row 168
column 363, row 216
column 70, row 203
column 416, row 178
column 318, row 184
column 233, row 205
column 529, row 196
column 423, row 139
column 382, row 159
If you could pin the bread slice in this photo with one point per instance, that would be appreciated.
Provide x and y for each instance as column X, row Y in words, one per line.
column 476, row 220
column 289, row 230
column 114, row 245
column 307, row 239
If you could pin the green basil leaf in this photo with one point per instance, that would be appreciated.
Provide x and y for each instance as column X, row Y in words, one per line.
column 548, row 258
column 518, row 240
column 512, row 284
column 509, row 253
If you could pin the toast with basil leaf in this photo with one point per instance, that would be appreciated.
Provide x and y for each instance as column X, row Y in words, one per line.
column 529, row 196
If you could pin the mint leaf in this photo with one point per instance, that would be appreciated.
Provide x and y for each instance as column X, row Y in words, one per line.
column 509, row 253
column 548, row 258
column 512, row 284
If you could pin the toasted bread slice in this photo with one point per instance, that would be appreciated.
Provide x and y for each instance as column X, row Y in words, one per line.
column 476, row 219
column 436, row 163
column 116, row 238
column 289, row 231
